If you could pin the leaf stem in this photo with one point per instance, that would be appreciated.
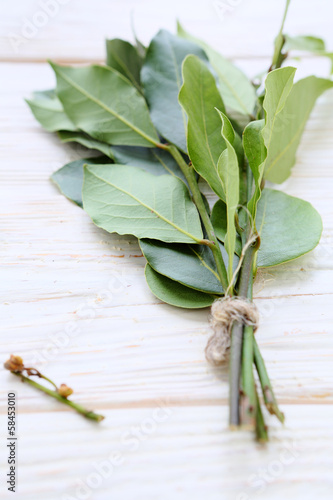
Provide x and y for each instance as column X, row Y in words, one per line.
column 80, row 409
column 246, row 279
column 248, row 394
column 234, row 374
column 188, row 172
column 278, row 57
column 236, row 368
column 32, row 372
column 267, row 390
column 261, row 428
column 160, row 145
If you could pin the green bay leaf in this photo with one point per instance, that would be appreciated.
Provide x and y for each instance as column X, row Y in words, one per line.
column 255, row 151
column 86, row 141
column 219, row 221
column 127, row 200
column 105, row 105
column 48, row 110
column 278, row 85
column 175, row 293
column 258, row 135
column 124, row 57
column 288, row 126
column 153, row 160
column 199, row 97
column 289, row 227
column 190, row 265
column 229, row 173
column 306, row 43
column 69, row 178
column 161, row 78
column 237, row 91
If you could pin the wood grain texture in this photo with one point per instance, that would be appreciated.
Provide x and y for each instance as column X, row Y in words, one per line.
column 76, row 304
column 76, row 29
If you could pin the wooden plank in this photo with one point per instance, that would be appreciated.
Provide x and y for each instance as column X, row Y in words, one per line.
column 59, row 269
column 75, row 300
column 175, row 452
column 75, row 31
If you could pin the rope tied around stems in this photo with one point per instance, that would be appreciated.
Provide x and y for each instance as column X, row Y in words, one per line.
column 225, row 312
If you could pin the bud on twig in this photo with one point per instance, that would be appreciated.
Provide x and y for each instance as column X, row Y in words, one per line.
column 65, row 391
column 14, row 364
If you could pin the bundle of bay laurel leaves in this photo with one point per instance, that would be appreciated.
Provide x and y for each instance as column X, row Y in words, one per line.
column 169, row 120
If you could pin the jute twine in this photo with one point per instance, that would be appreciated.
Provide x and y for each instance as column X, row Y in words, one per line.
column 224, row 313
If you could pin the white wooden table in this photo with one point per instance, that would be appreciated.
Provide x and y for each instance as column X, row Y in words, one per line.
column 75, row 302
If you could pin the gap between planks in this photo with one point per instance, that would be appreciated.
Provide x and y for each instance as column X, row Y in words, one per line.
column 174, row 402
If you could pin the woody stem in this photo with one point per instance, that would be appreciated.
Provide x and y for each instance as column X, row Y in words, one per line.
column 80, row 409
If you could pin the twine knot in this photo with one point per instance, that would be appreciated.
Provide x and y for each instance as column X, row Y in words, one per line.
column 224, row 312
